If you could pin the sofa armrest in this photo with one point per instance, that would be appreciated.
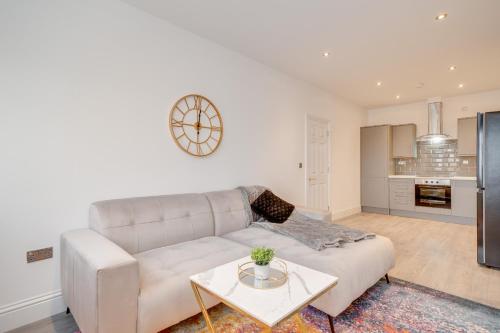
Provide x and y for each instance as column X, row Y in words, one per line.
column 100, row 282
column 315, row 214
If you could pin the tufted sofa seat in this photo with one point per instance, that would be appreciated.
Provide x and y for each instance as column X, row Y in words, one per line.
column 129, row 271
column 165, row 275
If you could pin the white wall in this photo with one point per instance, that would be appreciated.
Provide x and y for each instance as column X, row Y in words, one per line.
column 453, row 108
column 85, row 92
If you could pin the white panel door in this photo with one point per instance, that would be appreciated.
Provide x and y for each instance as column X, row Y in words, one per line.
column 318, row 164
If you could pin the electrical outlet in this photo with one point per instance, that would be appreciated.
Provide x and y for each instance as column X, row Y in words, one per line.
column 40, row 254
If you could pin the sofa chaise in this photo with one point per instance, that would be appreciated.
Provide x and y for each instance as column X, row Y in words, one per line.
column 129, row 271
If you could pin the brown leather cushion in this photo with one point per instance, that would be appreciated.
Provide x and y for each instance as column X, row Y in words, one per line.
column 272, row 208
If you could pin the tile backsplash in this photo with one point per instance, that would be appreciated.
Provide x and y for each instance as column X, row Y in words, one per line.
column 436, row 160
column 405, row 166
column 466, row 166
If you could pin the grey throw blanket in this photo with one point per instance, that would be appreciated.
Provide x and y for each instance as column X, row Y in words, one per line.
column 316, row 234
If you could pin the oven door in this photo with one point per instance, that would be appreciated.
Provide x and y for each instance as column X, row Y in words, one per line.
column 436, row 196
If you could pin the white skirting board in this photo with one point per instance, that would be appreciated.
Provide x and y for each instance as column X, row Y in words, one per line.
column 342, row 214
column 30, row 310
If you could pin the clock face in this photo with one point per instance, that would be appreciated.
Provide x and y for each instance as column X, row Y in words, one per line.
column 196, row 125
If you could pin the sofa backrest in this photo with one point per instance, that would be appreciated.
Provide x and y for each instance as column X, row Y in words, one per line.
column 228, row 211
column 141, row 224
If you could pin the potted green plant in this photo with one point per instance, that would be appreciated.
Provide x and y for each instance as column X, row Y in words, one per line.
column 262, row 256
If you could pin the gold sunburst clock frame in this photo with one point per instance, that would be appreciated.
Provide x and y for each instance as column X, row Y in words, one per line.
column 206, row 118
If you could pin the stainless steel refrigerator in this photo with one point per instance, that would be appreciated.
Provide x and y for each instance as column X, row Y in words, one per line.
column 488, row 188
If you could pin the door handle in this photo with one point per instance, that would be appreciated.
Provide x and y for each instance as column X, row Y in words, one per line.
column 479, row 151
column 312, row 178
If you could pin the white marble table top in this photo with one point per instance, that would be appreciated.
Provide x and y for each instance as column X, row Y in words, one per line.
column 269, row 306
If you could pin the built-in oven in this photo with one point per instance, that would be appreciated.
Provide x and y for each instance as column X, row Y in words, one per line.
column 434, row 193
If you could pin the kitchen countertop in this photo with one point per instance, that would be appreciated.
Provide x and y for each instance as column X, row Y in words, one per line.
column 464, row 178
column 414, row 177
column 402, row 176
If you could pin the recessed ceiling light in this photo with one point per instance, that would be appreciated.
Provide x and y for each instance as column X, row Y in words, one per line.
column 398, row 97
column 326, row 54
column 452, row 68
column 461, row 85
column 379, row 84
column 441, row 16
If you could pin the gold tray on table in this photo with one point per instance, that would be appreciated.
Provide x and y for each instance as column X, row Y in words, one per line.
column 277, row 277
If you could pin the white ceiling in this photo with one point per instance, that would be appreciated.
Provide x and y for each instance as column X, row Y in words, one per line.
column 397, row 42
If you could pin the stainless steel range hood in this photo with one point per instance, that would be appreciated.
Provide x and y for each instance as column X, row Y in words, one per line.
column 435, row 122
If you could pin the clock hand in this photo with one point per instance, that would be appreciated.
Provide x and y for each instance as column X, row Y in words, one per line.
column 194, row 125
column 198, row 126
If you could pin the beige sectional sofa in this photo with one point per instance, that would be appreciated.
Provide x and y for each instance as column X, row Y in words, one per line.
column 129, row 271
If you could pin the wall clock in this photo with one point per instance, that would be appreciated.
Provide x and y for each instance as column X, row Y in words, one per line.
column 196, row 125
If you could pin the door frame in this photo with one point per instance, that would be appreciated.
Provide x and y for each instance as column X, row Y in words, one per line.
column 310, row 117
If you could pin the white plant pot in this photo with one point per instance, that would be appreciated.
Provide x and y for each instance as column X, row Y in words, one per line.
column 262, row 272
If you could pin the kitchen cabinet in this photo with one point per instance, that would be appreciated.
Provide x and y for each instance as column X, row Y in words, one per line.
column 375, row 167
column 404, row 141
column 375, row 194
column 463, row 198
column 433, row 210
column 402, row 194
column 375, row 151
column 466, row 134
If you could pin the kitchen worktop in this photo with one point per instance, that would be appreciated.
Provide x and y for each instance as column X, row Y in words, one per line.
column 463, row 178
column 414, row 177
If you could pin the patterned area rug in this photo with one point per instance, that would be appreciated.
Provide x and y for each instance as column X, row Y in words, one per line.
column 400, row 307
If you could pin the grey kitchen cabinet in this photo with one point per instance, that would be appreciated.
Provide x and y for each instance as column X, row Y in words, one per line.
column 466, row 135
column 375, row 194
column 404, row 141
column 402, row 194
column 375, row 167
column 375, row 151
column 463, row 198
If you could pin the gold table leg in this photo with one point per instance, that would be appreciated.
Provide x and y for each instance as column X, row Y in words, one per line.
column 202, row 306
column 265, row 328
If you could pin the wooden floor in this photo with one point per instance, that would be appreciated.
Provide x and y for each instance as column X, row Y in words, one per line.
column 59, row 323
column 434, row 254
column 437, row 255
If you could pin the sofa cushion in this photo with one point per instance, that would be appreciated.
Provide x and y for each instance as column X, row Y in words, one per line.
column 272, row 208
column 357, row 265
column 228, row 211
column 141, row 224
column 166, row 296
